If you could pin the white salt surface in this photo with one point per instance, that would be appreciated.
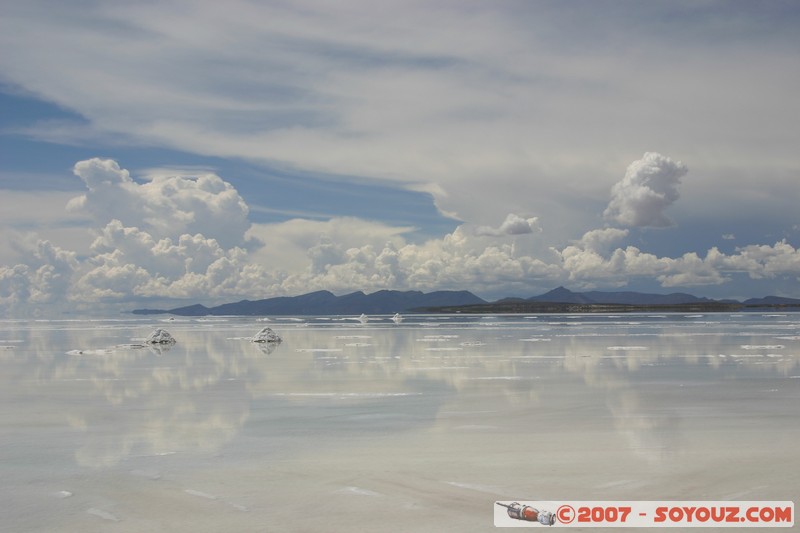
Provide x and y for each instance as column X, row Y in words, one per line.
column 358, row 491
column 763, row 347
column 200, row 494
column 627, row 348
column 210, row 435
column 105, row 515
column 473, row 343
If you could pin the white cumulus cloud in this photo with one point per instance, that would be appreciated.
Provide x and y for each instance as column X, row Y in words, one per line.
column 184, row 237
column 649, row 187
column 512, row 225
column 385, row 91
column 45, row 277
column 165, row 206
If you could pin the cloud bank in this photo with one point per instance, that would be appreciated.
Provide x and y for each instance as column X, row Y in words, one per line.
column 187, row 238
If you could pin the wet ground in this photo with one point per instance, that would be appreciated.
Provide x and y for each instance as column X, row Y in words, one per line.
column 420, row 426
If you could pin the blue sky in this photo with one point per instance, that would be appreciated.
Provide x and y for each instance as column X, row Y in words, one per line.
column 160, row 153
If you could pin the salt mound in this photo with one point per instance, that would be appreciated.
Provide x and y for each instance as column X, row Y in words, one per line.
column 266, row 335
column 160, row 336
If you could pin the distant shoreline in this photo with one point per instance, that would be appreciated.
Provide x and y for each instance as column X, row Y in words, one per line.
column 559, row 300
column 547, row 308
column 568, row 308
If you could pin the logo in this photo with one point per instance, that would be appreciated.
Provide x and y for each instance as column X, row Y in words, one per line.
column 618, row 514
column 527, row 513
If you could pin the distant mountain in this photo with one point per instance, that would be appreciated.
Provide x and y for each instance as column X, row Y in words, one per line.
column 558, row 300
column 326, row 303
column 562, row 295
column 772, row 301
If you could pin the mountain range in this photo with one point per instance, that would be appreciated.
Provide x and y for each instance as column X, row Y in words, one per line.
column 388, row 301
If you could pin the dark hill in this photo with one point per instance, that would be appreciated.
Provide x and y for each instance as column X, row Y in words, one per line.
column 326, row 303
column 772, row 301
column 638, row 298
column 559, row 300
column 562, row 295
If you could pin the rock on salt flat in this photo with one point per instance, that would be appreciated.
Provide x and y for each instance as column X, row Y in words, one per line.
column 160, row 336
column 266, row 335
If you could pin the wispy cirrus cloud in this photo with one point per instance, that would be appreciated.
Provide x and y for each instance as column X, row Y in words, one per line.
column 470, row 100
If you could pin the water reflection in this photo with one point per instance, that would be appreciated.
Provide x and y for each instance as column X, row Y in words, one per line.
column 330, row 378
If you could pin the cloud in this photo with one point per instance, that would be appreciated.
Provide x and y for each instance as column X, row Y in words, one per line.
column 582, row 264
column 296, row 244
column 45, row 277
column 130, row 262
column 453, row 262
column 172, row 237
column 392, row 94
column 169, row 245
column 38, row 209
column 765, row 261
column 513, row 225
column 599, row 240
column 34, row 215
column 590, row 269
column 165, row 206
column 384, row 92
column 459, row 260
column 649, row 187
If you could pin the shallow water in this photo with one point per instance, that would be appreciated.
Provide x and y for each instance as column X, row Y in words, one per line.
column 382, row 427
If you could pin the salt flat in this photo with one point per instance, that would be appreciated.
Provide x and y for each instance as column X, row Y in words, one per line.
column 419, row 426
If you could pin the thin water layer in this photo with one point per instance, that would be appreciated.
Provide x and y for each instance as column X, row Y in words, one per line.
column 353, row 425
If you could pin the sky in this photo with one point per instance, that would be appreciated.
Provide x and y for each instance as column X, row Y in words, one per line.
column 174, row 152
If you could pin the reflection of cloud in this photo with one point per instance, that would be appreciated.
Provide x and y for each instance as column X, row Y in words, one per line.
column 650, row 435
column 643, row 415
column 196, row 397
column 179, row 427
column 154, row 400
